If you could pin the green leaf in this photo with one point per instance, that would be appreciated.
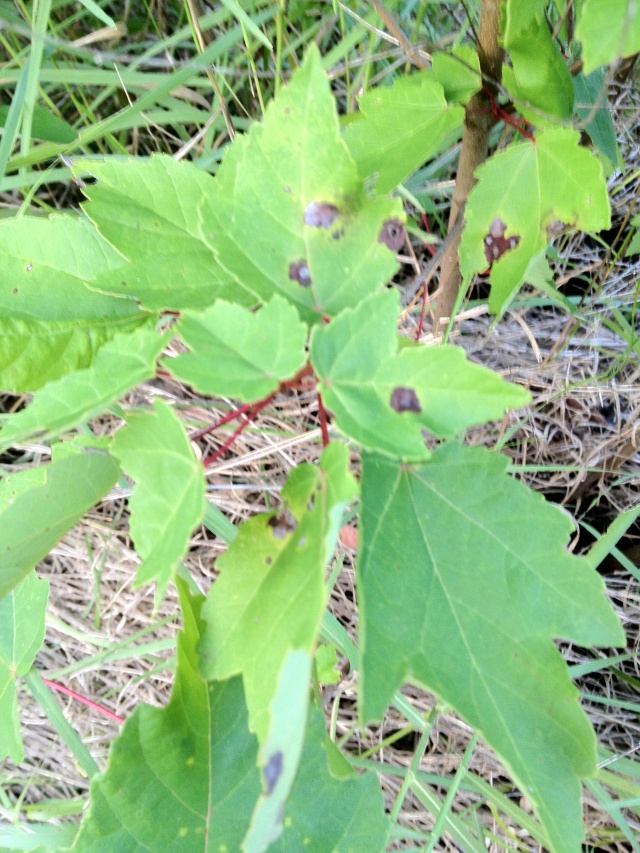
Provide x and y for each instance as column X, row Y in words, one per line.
column 402, row 126
column 181, row 778
column 608, row 31
column 240, row 354
column 50, row 320
column 289, row 214
column 325, row 813
column 45, row 125
column 47, row 265
column 119, row 366
column 149, row 212
column 32, row 523
column 592, row 107
column 22, row 622
column 326, row 663
column 459, row 589
column 458, row 73
column 34, row 352
column 269, row 596
column 561, row 182
column 384, row 397
column 168, row 498
column 280, row 754
column 538, row 80
column 634, row 246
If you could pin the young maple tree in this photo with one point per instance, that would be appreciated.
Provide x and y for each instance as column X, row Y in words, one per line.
column 464, row 579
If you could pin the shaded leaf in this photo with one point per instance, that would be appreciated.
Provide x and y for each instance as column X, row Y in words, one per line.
column 538, row 79
column 289, row 193
column 168, row 498
column 240, row 354
column 33, row 521
column 119, row 366
column 22, row 623
column 384, row 397
column 280, row 755
column 592, row 107
column 458, row 73
column 149, row 212
column 561, row 182
column 459, row 589
column 269, row 596
column 325, row 813
column 401, row 126
column 607, row 31
column 181, row 778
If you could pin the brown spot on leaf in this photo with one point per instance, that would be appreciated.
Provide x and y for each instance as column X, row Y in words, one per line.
column 320, row 214
column 404, row 400
column 272, row 771
column 299, row 271
column 392, row 234
column 555, row 228
column 496, row 243
column 283, row 523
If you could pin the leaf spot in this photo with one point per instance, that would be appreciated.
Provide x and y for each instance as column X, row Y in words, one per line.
column 392, row 234
column 320, row 214
column 496, row 243
column 404, row 400
column 299, row 271
column 283, row 523
column 272, row 771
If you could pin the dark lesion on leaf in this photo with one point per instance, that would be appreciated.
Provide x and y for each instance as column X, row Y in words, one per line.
column 496, row 243
column 320, row 214
column 272, row 771
column 299, row 271
column 392, row 234
column 404, row 400
column 283, row 523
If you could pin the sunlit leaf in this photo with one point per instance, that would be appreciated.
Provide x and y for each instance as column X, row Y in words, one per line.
column 269, row 596
column 400, row 127
column 149, row 212
column 22, row 622
column 240, row 354
column 607, row 31
column 168, row 498
column 384, row 397
column 563, row 186
column 289, row 214
column 460, row 589
column 50, row 320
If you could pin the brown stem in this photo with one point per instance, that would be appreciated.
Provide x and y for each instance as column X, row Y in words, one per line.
column 479, row 120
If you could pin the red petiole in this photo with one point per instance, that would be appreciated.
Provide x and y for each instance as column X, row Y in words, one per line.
column 53, row 685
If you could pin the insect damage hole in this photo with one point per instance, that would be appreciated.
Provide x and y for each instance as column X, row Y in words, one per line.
column 283, row 523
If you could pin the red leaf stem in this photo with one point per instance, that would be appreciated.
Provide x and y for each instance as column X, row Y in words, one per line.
column 323, row 421
column 53, row 685
column 502, row 115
